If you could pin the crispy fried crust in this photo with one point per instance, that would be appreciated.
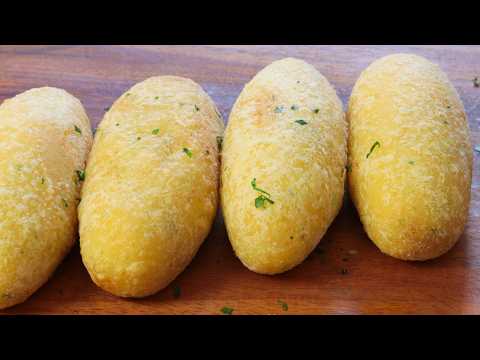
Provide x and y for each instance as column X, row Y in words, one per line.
column 147, row 205
column 413, row 191
column 287, row 130
column 45, row 138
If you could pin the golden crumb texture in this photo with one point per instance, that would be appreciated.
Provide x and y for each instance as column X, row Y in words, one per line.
column 410, row 157
column 151, row 189
column 283, row 166
column 45, row 137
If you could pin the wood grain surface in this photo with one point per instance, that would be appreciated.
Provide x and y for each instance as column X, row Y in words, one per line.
column 346, row 274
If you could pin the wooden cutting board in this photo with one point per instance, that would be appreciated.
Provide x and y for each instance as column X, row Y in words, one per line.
column 346, row 274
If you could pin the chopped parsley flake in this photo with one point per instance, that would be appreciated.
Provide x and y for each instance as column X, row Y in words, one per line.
column 156, row 97
column 278, row 109
column 375, row 144
column 476, row 82
column 188, row 152
column 139, row 138
column 316, row 111
column 226, row 310
column 127, row 94
column 117, row 124
column 254, row 186
column 197, row 108
column 301, row 122
column 77, row 129
column 294, row 107
column 411, row 162
column 81, row 175
column 106, row 109
column 283, row 304
column 43, row 180
column 155, row 131
column 219, row 142
column 177, row 291
column 65, row 203
column 260, row 201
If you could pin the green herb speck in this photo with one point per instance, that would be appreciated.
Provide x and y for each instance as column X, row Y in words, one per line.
column 81, row 175
column 43, row 180
column 139, row 138
column 177, row 292
column 226, row 310
column 117, row 124
column 260, row 201
column 375, row 144
column 65, row 204
column 254, row 186
column 127, row 94
column 411, row 162
column 197, row 108
column 283, row 304
column 156, row 97
column 155, row 131
column 106, row 109
column 77, row 129
column 188, row 152
column 316, row 111
column 294, row 107
column 301, row 122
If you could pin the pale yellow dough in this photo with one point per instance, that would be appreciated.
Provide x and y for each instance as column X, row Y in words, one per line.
column 45, row 137
column 413, row 191
column 146, row 204
column 302, row 167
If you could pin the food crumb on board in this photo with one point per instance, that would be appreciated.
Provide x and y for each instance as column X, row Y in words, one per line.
column 226, row 310
column 283, row 304
column 177, row 291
